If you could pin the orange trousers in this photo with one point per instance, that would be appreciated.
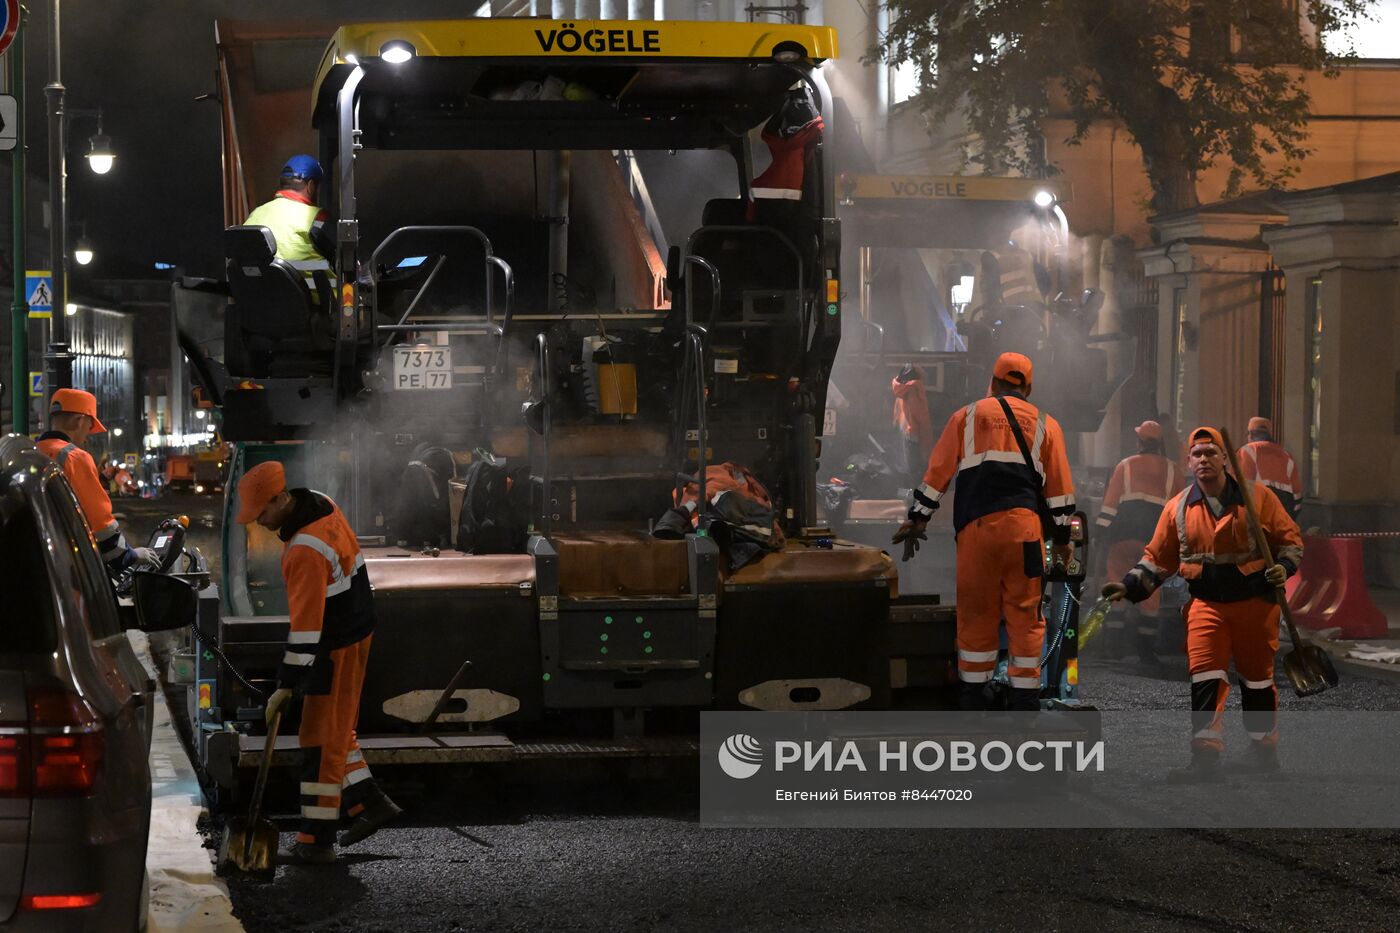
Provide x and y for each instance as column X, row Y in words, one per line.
column 334, row 776
column 1246, row 631
column 1000, row 563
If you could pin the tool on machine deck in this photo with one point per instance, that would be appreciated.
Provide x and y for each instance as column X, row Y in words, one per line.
column 446, row 696
column 250, row 845
column 1309, row 668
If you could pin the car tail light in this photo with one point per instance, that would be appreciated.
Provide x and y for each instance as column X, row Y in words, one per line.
column 65, row 744
column 59, row 901
column 14, row 763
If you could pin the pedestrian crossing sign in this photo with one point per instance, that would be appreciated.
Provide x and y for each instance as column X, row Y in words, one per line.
column 36, row 385
column 38, row 287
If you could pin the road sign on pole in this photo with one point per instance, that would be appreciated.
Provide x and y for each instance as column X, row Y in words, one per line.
column 9, row 26
column 9, row 122
column 36, row 384
column 38, row 287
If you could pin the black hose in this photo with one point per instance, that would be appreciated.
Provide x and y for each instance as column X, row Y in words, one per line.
column 223, row 659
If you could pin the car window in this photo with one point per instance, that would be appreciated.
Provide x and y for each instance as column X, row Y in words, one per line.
column 27, row 622
column 91, row 584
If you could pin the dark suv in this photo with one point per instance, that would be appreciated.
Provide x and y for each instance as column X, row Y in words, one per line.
column 75, row 717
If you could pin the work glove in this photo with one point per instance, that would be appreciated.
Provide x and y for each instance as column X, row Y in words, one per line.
column 1113, row 592
column 1061, row 554
column 1276, row 575
column 910, row 533
column 279, row 698
column 144, row 558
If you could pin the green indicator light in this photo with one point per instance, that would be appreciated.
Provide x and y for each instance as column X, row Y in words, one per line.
column 548, row 676
column 646, row 634
column 831, row 309
column 603, row 637
column 607, row 620
column 647, row 649
column 603, row 650
column 638, row 620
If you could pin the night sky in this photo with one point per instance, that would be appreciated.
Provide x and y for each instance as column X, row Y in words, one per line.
column 144, row 62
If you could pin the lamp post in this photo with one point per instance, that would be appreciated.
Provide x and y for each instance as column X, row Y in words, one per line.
column 58, row 362
column 19, row 307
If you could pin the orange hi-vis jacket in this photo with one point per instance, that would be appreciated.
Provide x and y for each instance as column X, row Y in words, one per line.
column 1216, row 555
column 77, row 464
column 910, row 413
column 1268, row 464
column 328, row 593
column 978, row 447
column 1139, row 488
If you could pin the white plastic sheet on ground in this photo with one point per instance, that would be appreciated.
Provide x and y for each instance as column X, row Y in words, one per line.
column 185, row 893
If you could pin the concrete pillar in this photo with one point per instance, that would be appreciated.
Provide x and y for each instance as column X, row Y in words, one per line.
column 641, row 9
column 613, row 9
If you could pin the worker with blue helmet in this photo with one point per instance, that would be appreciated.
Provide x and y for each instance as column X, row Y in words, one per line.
column 298, row 224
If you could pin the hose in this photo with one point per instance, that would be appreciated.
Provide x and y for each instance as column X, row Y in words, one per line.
column 1065, row 600
column 223, row 659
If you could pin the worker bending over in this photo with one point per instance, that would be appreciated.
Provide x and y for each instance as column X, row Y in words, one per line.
column 1139, row 488
column 72, row 417
column 1203, row 534
column 1005, row 498
column 1264, row 462
column 332, row 624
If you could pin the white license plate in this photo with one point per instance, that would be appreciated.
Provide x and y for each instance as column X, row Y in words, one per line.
column 422, row 367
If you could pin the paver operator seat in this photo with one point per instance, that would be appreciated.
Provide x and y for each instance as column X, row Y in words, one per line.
column 273, row 309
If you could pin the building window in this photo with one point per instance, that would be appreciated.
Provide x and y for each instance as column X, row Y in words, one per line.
column 1179, row 348
column 1313, row 359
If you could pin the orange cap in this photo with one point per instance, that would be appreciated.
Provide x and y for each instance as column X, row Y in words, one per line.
column 1014, row 368
column 77, row 402
column 1204, row 435
column 1149, row 431
column 257, row 488
column 1260, row 424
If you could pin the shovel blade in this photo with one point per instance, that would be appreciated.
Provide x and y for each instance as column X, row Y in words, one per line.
column 1309, row 670
column 250, row 848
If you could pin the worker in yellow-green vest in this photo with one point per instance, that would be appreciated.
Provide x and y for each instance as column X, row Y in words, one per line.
column 298, row 224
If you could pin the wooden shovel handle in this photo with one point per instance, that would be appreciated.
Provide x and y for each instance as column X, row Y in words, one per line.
column 269, row 745
column 1257, row 531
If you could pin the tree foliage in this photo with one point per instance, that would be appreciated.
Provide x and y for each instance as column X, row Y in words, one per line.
column 1192, row 81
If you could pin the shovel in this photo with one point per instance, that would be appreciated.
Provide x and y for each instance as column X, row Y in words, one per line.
column 1308, row 667
column 250, row 845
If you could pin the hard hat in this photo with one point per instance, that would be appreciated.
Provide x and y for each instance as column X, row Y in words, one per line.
column 1149, row 431
column 304, row 167
column 1205, row 435
column 1014, row 368
column 257, row 488
column 77, row 402
column 1260, row 424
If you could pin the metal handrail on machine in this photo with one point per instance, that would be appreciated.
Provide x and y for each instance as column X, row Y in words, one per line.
column 501, row 331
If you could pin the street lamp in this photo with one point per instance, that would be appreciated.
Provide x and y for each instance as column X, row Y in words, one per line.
column 100, row 155
column 82, row 252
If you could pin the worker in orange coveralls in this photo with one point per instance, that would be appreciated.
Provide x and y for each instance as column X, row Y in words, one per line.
column 332, row 625
column 1203, row 534
column 999, row 528
column 1139, row 488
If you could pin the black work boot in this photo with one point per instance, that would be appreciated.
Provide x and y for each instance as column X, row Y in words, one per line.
column 370, row 820
column 972, row 697
column 1024, row 700
column 1203, row 769
column 1262, row 758
column 306, row 853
